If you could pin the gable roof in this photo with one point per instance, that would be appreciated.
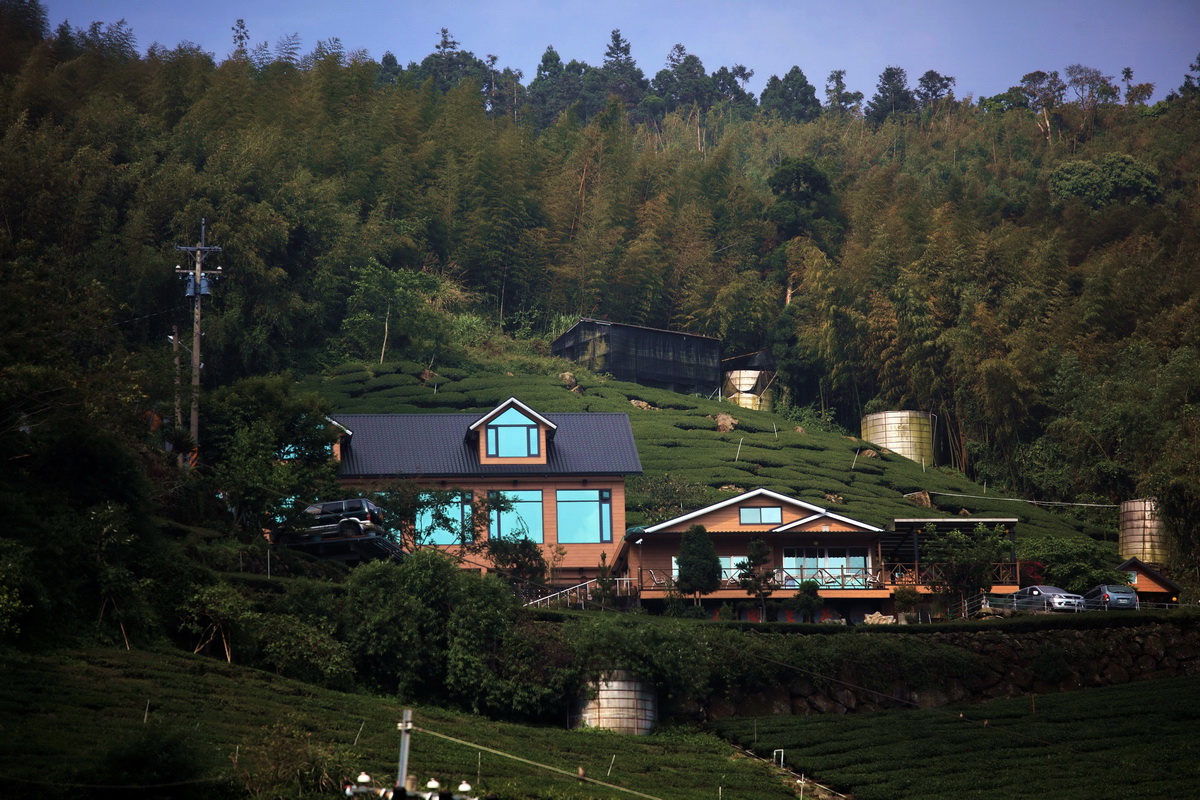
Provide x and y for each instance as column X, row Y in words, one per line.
column 513, row 402
column 1136, row 564
column 817, row 512
column 439, row 446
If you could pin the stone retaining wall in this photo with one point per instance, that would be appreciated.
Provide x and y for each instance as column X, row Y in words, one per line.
column 1011, row 664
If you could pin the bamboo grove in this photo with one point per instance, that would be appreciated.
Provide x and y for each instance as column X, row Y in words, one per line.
column 1026, row 267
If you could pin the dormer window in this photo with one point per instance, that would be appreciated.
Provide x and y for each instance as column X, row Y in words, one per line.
column 512, row 435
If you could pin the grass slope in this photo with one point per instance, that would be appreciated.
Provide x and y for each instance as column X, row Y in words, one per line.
column 1134, row 740
column 63, row 715
column 679, row 438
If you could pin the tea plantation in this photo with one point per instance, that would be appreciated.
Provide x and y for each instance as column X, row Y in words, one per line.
column 686, row 460
column 1135, row 740
column 75, row 722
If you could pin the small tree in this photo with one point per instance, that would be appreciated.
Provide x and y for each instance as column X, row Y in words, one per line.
column 806, row 602
column 520, row 561
column 699, row 567
column 757, row 573
column 605, row 593
column 964, row 560
column 906, row 599
column 1074, row 564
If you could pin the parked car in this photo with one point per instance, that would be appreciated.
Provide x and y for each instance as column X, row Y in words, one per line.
column 1046, row 598
column 1108, row 595
column 344, row 518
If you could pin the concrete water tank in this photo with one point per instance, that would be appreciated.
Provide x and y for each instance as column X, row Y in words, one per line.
column 907, row 433
column 1142, row 535
column 620, row 702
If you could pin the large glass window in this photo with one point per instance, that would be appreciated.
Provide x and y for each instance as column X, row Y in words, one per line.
column 843, row 567
column 764, row 515
column 512, row 435
column 729, row 568
column 584, row 516
column 444, row 518
column 522, row 517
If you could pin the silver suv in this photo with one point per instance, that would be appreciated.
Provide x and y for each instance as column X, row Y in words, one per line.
column 1106, row 596
column 1046, row 598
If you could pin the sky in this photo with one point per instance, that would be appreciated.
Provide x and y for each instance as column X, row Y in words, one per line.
column 986, row 45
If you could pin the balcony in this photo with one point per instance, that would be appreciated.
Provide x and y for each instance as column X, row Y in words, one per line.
column 888, row 576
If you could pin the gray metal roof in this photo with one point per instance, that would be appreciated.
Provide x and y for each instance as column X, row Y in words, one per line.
column 437, row 446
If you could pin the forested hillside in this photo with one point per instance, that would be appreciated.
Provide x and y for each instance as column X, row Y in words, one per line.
column 1026, row 266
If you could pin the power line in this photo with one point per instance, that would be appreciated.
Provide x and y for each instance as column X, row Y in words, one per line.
column 569, row 774
column 1020, row 500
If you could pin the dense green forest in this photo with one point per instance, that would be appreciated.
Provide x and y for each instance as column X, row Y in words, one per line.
column 1025, row 266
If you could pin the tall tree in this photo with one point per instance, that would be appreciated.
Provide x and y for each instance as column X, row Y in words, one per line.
column 1044, row 91
column 1136, row 94
column 805, row 204
column 23, row 23
column 756, row 574
column 838, row 99
column 1091, row 88
column 1190, row 89
column 448, row 66
column 699, row 566
column 791, row 98
column 892, row 96
column 622, row 75
column 729, row 89
column 932, row 88
column 684, row 83
column 558, row 87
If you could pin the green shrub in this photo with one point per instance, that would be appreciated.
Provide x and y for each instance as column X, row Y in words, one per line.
column 390, row 380
column 348, row 368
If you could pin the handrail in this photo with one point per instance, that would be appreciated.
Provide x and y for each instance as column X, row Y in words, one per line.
column 582, row 592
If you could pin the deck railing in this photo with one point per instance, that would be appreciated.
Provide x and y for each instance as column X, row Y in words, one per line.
column 886, row 576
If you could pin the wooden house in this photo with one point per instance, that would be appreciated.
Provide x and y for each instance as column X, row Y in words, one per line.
column 559, row 479
column 1152, row 586
column 857, row 565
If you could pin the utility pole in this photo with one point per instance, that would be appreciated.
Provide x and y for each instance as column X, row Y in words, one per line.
column 197, row 285
column 178, row 387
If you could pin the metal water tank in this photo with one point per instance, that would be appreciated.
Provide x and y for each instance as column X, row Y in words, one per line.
column 1142, row 534
column 620, row 702
column 750, row 388
column 907, row 433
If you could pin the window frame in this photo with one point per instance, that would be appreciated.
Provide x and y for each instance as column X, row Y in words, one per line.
column 465, row 502
column 603, row 516
column 497, row 518
column 743, row 515
column 497, row 436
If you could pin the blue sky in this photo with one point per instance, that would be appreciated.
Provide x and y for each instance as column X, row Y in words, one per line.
column 986, row 46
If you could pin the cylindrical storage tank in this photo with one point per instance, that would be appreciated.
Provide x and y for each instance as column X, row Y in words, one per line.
column 749, row 388
column 1142, row 535
column 751, row 401
column 742, row 380
column 620, row 702
column 907, row 433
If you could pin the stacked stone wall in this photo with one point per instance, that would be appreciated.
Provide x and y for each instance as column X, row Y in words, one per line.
column 1009, row 665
